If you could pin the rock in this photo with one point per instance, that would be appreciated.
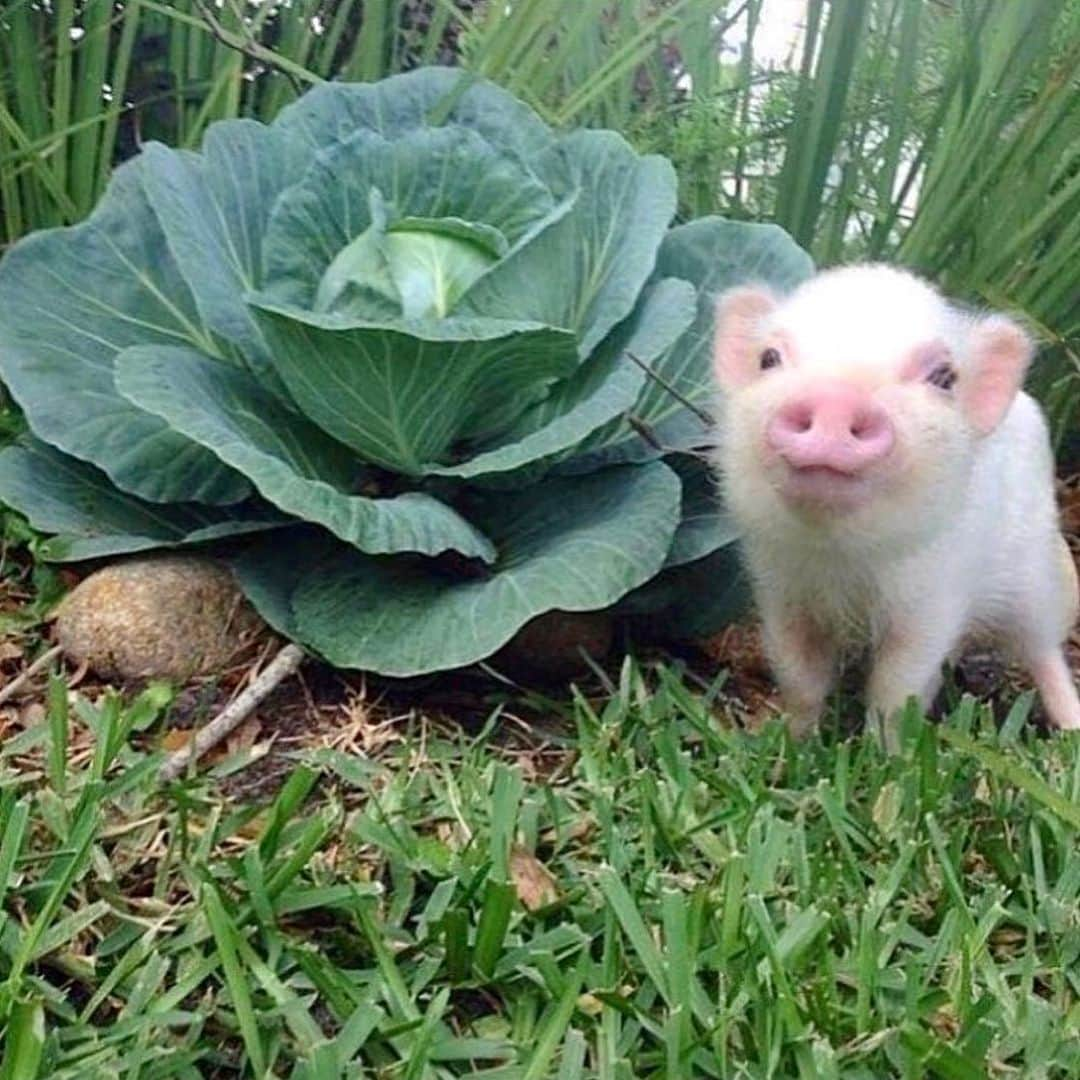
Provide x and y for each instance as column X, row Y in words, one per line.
column 550, row 647
column 164, row 617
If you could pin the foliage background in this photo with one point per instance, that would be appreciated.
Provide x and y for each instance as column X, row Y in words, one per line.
column 943, row 134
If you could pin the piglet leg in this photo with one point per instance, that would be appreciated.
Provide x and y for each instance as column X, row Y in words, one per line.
column 1038, row 626
column 906, row 666
column 803, row 662
column 1057, row 689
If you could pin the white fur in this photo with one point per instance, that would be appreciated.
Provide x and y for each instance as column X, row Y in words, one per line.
column 958, row 535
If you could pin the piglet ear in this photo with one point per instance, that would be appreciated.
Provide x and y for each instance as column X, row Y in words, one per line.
column 739, row 315
column 999, row 352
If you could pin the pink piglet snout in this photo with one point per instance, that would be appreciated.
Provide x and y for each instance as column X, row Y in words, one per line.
column 831, row 425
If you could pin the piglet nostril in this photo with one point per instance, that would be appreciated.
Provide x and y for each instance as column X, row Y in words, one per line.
column 869, row 424
column 795, row 418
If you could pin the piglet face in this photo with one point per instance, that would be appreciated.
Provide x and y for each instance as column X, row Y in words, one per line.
column 858, row 401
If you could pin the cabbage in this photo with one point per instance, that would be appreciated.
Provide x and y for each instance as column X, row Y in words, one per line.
column 389, row 349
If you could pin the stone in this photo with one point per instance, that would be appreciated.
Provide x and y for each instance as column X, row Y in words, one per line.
column 167, row 617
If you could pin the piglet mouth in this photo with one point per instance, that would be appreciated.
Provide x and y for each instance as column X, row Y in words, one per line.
column 824, row 486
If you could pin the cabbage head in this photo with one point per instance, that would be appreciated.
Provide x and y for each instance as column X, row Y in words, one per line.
column 387, row 353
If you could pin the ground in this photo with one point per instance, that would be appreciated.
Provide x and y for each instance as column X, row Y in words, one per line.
column 642, row 877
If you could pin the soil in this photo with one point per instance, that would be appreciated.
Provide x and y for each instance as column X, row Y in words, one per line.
column 357, row 713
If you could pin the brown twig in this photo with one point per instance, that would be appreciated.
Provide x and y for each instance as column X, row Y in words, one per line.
column 646, row 434
column 248, row 46
column 678, row 395
column 229, row 719
column 20, row 681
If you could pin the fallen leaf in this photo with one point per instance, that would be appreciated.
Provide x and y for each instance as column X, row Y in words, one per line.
column 580, row 829
column 32, row 714
column 945, row 1023
column 10, row 651
column 535, row 886
column 245, row 736
column 1069, row 499
column 254, row 827
column 887, row 807
column 176, row 739
column 70, row 578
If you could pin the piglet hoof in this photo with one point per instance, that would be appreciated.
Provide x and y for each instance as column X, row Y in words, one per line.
column 800, row 726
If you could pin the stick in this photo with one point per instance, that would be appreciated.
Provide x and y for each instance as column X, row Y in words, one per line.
column 20, row 681
column 229, row 719
column 699, row 412
column 646, row 433
column 251, row 48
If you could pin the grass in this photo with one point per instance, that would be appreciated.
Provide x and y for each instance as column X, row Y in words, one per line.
column 626, row 888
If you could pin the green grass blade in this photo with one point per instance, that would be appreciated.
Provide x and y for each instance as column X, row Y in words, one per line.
column 227, row 939
column 499, row 900
column 633, row 925
column 554, row 1030
column 58, row 733
column 1014, row 772
column 24, row 1042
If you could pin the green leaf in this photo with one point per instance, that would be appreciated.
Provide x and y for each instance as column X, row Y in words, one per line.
column 554, row 1028
column 430, row 97
column 598, row 392
column 498, row 906
column 267, row 573
column 938, row 1058
column 690, row 601
column 704, row 526
column 445, row 173
column 70, row 300
column 1015, row 773
column 402, row 400
column 713, row 255
column 626, row 911
column 587, row 270
column 59, row 494
column 571, row 544
column 290, row 461
column 360, row 267
column 432, row 270
column 487, row 237
column 213, row 208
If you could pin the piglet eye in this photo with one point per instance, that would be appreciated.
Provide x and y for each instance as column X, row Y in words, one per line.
column 770, row 358
column 943, row 376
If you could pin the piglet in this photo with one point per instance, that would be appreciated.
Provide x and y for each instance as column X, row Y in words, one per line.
column 894, row 489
